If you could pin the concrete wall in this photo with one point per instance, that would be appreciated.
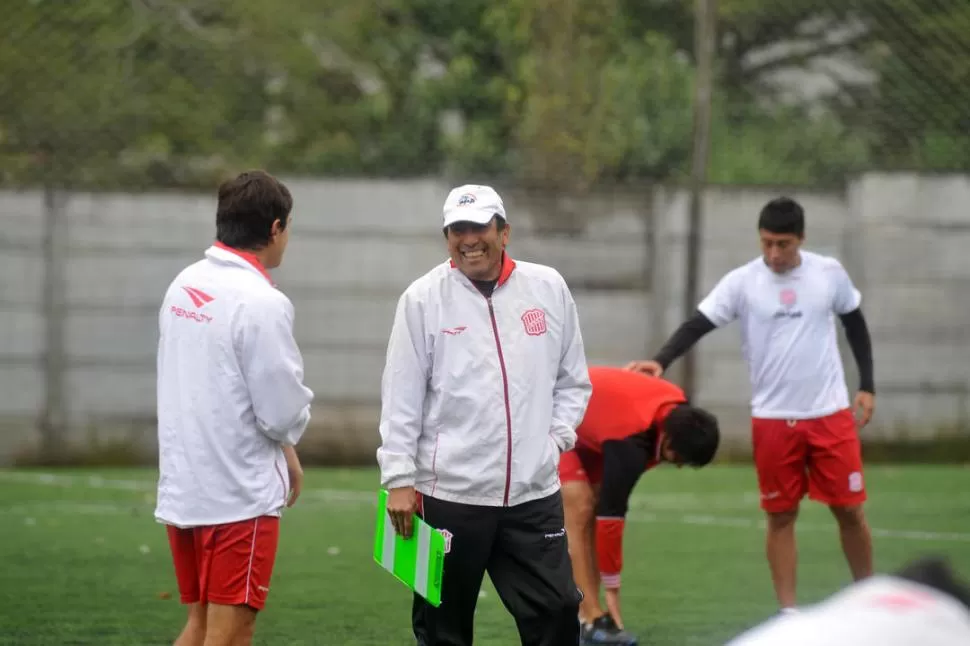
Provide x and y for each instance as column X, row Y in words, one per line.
column 356, row 245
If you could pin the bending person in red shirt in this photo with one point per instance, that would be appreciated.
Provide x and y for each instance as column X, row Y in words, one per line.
column 633, row 423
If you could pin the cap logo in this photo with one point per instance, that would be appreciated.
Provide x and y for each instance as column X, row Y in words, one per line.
column 465, row 199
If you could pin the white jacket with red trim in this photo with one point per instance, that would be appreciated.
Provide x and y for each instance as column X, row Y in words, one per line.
column 230, row 392
column 481, row 395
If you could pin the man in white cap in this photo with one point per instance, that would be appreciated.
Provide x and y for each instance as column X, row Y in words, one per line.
column 924, row 604
column 484, row 385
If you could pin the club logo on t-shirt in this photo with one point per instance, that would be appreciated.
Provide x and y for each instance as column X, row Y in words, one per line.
column 788, row 298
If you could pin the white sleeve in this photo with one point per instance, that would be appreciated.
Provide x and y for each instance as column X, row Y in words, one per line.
column 722, row 305
column 846, row 297
column 403, row 387
column 273, row 369
column 573, row 387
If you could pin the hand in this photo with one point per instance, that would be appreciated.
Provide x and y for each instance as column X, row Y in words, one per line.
column 402, row 503
column 866, row 404
column 613, row 605
column 295, row 471
column 651, row 367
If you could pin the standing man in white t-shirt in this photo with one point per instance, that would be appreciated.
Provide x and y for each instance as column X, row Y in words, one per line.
column 804, row 433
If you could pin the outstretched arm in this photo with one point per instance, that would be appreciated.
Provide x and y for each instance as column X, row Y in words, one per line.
column 689, row 333
column 719, row 308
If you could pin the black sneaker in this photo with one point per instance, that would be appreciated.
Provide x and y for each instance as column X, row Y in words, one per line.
column 604, row 632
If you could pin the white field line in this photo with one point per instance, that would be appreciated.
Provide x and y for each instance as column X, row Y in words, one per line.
column 321, row 497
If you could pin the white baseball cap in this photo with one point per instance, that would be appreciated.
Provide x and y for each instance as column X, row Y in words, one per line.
column 472, row 203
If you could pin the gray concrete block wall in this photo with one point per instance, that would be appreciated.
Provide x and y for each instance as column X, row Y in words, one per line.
column 357, row 244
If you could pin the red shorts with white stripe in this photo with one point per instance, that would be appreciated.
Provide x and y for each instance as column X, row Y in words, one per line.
column 228, row 564
column 821, row 457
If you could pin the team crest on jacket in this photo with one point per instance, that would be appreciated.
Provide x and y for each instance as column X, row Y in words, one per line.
column 534, row 321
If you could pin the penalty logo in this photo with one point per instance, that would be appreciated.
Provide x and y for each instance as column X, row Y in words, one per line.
column 447, row 535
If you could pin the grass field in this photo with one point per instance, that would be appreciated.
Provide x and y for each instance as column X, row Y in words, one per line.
column 85, row 563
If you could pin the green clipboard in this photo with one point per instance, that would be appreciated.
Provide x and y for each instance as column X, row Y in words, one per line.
column 418, row 562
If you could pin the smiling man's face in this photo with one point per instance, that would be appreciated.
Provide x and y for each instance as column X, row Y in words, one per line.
column 476, row 249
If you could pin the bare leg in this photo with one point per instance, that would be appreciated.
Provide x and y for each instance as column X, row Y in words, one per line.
column 591, row 542
column 856, row 539
column 229, row 625
column 194, row 632
column 579, row 503
column 782, row 555
column 245, row 635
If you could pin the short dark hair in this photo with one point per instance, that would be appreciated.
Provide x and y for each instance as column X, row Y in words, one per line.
column 936, row 572
column 248, row 205
column 782, row 215
column 693, row 434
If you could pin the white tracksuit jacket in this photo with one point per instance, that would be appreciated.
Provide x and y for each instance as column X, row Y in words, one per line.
column 481, row 396
column 230, row 393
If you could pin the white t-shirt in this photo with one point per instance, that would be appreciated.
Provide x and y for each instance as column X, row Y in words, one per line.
column 788, row 334
column 879, row 611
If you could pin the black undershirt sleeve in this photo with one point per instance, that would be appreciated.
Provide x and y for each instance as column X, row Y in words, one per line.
column 683, row 339
column 857, row 333
column 623, row 464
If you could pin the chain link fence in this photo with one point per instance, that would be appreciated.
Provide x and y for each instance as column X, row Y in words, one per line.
column 637, row 139
column 162, row 93
column 812, row 91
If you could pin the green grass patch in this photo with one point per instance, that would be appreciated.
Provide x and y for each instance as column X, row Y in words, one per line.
column 85, row 562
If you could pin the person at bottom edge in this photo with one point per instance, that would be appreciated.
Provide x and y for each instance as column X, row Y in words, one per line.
column 924, row 604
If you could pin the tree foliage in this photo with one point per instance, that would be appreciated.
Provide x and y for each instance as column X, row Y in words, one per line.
column 107, row 92
column 561, row 95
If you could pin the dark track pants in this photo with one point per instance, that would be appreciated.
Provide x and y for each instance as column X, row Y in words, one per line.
column 524, row 551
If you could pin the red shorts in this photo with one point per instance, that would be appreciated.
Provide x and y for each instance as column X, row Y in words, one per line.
column 581, row 465
column 822, row 457
column 227, row 564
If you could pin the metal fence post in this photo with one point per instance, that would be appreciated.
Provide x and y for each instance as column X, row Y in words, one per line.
column 53, row 416
column 704, row 43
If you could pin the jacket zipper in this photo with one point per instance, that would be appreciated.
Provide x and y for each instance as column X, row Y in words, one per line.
column 508, row 406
